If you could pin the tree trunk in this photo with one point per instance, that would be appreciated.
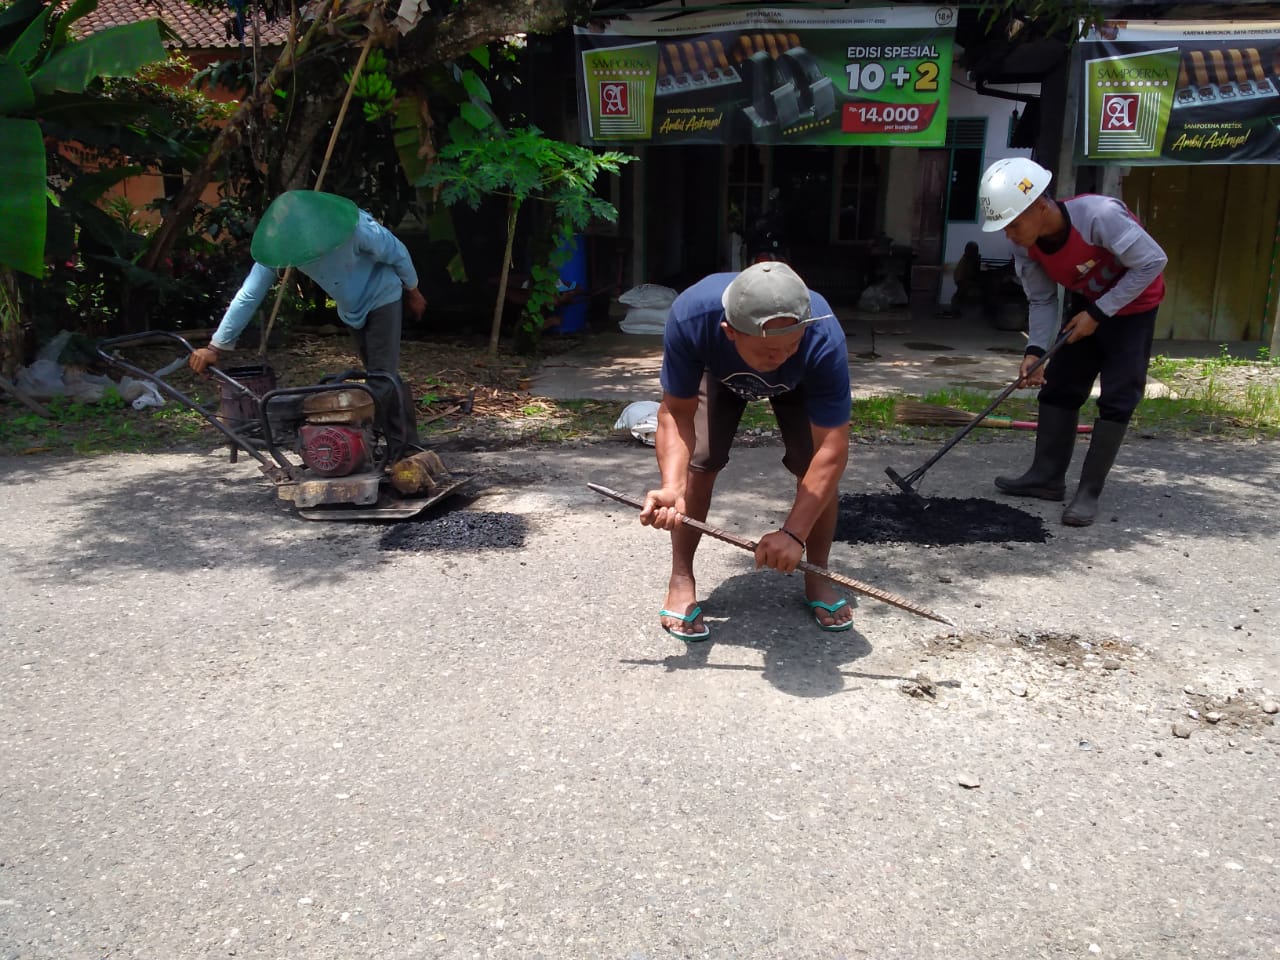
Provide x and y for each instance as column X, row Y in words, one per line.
column 184, row 203
column 476, row 24
column 513, row 208
column 292, row 169
column 10, row 323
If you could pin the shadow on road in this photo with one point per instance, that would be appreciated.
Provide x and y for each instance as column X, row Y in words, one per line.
column 796, row 657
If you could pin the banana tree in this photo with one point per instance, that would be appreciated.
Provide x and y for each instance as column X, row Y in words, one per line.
column 44, row 71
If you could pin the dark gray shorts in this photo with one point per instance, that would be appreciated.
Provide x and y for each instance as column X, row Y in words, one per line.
column 716, row 424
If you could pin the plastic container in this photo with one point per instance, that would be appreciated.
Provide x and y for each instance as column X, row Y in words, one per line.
column 573, row 316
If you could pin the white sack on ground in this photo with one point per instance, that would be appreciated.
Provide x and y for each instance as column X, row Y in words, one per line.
column 649, row 295
column 644, row 320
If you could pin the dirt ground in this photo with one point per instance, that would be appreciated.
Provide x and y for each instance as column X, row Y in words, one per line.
column 444, row 372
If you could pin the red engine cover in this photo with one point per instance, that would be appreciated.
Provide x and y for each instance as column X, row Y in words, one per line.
column 333, row 451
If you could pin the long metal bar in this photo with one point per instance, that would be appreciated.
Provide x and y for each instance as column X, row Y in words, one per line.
column 274, row 471
column 907, row 484
column 884, row 596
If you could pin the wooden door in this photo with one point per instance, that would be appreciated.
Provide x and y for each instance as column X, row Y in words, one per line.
column 1218, row 225
column 928, row 216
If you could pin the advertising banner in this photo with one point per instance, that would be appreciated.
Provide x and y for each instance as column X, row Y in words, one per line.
column 1187, row 92
column 873, row 75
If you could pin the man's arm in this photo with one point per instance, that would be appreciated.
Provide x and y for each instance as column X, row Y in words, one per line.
column 674, row 445
column 1042, row 300
column 383, row 246
column 240, row 311
column 784, row 549
column 1142, row 258
column 822, row 480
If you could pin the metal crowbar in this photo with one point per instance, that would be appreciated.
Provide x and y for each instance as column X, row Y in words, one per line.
column 907, row 484
column 884, row 596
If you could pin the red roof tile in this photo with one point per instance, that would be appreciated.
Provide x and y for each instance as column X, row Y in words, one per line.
column 196, row 29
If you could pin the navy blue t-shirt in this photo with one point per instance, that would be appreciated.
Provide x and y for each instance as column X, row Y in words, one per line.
column 694, row 343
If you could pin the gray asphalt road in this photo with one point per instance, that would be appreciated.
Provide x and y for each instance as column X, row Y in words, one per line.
column 228, row 732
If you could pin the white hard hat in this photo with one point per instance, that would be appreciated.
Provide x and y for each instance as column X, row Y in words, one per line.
column 1007, row 188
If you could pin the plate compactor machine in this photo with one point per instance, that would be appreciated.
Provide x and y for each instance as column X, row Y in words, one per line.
column 336, row 450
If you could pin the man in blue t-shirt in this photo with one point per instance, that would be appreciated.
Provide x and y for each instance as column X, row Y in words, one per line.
column 759, row 334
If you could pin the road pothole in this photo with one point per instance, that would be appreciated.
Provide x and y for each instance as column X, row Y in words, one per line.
column 934, row 521
column 459, row 530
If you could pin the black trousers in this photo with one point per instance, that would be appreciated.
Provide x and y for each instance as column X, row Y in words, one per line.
column 1119, row 352
column 378, row 343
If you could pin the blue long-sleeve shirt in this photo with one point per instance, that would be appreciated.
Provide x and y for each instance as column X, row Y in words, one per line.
column 369, row 270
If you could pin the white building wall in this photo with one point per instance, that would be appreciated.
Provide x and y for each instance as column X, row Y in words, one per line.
column 967, row 102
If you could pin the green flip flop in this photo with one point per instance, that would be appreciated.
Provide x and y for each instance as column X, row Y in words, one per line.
column 830, row 608
column 693, row 615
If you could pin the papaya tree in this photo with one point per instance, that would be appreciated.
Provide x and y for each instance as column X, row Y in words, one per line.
column 522, row 165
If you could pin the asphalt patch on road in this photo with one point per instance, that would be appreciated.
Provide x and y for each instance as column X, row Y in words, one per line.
column 459, row 530
column 934, row 521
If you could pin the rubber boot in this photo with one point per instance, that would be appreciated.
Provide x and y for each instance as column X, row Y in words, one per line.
column 1055, row 440
column 1103, row 447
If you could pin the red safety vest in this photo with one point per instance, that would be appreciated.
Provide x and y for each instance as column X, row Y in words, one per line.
column 1090, row 270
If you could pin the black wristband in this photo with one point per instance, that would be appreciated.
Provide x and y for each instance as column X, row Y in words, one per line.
column 794, row 537
column 1095, row 311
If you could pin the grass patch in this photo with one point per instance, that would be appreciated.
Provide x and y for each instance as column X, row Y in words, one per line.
column 872, row 412
column 1220, row 396
column 1217, row 397
column 106, row 426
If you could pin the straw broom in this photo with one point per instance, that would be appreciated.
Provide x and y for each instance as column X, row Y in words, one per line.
column 919, row 413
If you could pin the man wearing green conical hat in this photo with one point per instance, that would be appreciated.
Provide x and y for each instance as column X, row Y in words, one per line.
column 355, row 260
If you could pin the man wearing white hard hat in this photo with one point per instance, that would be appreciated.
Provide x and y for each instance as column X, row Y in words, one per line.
column 1114, row 274
column 731, row 338
column 361, row 264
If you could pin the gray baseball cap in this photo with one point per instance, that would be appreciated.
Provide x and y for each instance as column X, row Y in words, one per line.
column 763, row 292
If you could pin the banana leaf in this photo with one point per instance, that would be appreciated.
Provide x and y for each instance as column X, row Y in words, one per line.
column 15, row 92
column 22, row 195
column 118, row 51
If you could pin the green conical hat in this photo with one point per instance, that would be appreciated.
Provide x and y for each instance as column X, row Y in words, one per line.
column 301, row 225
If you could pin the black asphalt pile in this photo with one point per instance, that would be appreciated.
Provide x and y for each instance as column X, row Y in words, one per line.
column 934, row 521
column 458, row 530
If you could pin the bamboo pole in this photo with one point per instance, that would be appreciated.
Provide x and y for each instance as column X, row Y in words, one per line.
column 324, row 169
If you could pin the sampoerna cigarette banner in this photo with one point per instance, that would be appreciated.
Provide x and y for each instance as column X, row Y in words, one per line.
column 1161, row 92
column 873, row 75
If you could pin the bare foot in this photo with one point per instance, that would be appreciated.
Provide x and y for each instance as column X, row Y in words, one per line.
column 820, row 588
column 682, row 598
